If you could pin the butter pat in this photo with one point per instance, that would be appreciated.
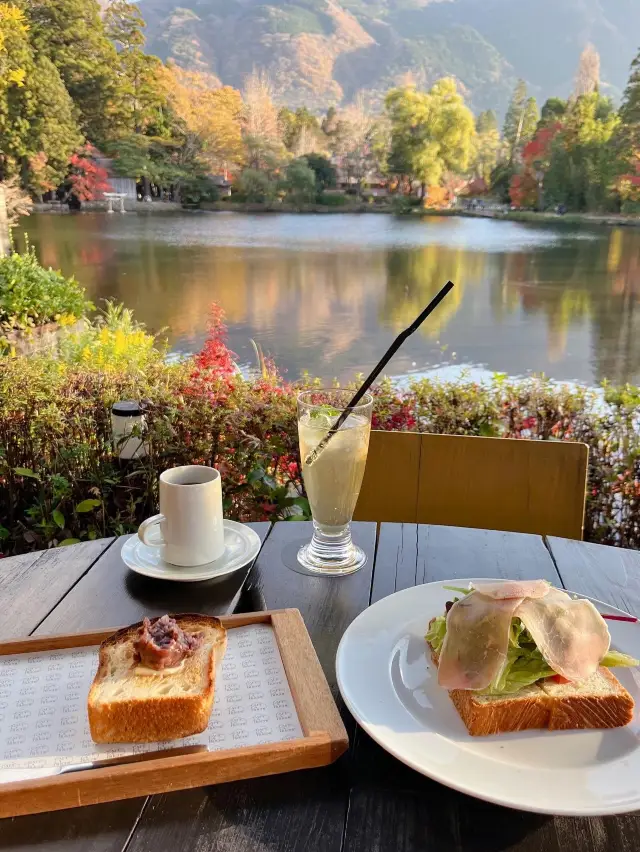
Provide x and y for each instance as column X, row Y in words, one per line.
column 147, row 672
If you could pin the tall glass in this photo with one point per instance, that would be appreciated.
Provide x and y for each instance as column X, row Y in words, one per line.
column 334, row 478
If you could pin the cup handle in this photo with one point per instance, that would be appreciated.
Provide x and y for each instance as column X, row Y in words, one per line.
column 149, row 532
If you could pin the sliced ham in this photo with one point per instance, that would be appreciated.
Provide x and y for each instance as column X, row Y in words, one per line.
column 503, row 589
column 476, row 642
column 570, row 634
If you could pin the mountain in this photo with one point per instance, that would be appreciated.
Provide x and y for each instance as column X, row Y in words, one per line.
column 323, row 52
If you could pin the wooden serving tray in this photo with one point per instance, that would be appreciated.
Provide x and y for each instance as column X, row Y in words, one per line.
column 324, row 736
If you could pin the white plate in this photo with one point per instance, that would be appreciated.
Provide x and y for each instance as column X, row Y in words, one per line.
column 388, row 682
column 241, row 545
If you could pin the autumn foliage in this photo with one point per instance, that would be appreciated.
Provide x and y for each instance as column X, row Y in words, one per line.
column 57, row 449
column 536, row 156
column 88, row 180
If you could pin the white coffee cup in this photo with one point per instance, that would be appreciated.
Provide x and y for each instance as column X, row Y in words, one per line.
column 190, row 525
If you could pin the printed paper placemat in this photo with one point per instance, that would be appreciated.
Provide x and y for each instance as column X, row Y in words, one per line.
column 43, row 705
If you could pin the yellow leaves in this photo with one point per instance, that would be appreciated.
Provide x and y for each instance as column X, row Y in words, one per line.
column 431, row 132
column 210, row 112
column 12, row 16
column 14, row 47
column 119, row 343
column 18, row 76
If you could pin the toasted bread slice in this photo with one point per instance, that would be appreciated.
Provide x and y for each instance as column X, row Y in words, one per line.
column 127, row 707
column 500, row 714
column 601, row 701
column 598, row 702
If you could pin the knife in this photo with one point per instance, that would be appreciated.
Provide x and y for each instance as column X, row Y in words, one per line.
column 132, row 758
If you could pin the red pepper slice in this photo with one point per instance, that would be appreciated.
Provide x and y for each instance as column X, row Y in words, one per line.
column 559, row 679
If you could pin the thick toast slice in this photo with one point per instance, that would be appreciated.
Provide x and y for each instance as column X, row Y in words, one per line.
column 598, row 702
column 499, row 714
column 601, row 701
column 126, row 707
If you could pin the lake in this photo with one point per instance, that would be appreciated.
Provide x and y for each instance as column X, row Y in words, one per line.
column 329, row 293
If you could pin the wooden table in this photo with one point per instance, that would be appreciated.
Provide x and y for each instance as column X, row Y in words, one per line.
column 367, row 802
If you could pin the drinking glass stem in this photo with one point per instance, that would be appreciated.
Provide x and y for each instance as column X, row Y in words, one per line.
column 331, row 551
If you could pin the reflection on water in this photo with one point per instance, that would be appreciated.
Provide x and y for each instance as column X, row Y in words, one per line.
column 328, row 293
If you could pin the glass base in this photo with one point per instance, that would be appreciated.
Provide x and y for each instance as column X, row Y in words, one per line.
column 331, row 552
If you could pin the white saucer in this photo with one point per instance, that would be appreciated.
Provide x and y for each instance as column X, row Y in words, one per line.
column 242, row 545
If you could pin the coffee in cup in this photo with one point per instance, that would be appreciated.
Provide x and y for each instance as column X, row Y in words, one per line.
column 190, row 526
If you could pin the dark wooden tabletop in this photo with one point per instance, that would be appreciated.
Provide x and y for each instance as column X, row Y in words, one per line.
column 367, row 801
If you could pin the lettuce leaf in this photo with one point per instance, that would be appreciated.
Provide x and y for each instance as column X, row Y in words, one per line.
column 436, row 633
column 616, row 658
column 525, row 664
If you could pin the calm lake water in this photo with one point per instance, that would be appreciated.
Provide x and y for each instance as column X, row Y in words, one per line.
column 328, row 294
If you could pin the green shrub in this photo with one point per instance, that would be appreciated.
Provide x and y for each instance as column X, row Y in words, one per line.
column 61, row 479
column 325, row 172
column 256, row 187
column 630, row 207
column 330, row 200
column 300, row 182
column 402, row 204
column 195, row 190
column 31, row 295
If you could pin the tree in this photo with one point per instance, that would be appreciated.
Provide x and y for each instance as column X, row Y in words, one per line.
column 526, row 188
column 582, row 168
column 260, row 116
column 301, row 132
column 53, row 133
column 14, row 46
column 588, row 74
column 520, row 120
column 487, row 145
column 431, row 132
column 300, row 182
column 630, row 107
column 139, row 96
column 501, row 178
column 38, row 126
column 256, row 186
column 530, row 120
column 627, row 142
column 261, row 129
column 72, row 35
column 87, row 179
column 324, row 171
column 354, row 143
column 552, row 111
column 132, row 158
column 487, row 122
column 16, row 57
column 210, row 117
column 512, row 128
column 124, row 25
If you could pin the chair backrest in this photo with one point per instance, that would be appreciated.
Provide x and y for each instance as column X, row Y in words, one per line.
column 492, row 483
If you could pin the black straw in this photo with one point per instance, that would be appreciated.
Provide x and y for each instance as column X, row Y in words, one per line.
column 373, row 375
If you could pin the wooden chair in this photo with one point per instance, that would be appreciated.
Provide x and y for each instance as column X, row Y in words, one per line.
column 492, row 483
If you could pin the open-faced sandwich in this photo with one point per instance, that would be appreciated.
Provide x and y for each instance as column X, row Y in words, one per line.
column 155, row 680
column 518, row 655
